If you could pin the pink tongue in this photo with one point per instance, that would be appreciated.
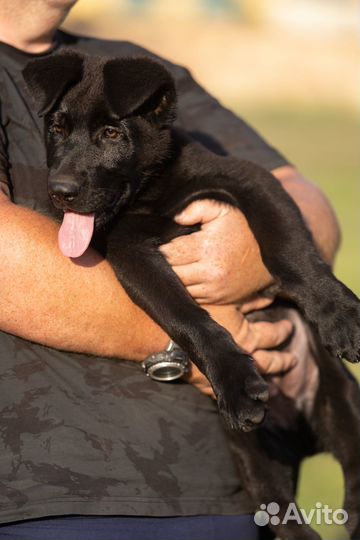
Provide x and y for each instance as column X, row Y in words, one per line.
column 75, row 233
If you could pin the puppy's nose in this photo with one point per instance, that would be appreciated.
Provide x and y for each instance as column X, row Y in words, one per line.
column 63, row 189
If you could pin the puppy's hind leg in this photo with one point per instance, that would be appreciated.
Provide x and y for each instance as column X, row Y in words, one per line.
column 269, row 482
column 336, row 419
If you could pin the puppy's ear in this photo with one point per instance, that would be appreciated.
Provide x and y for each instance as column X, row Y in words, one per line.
column 48, row 78
column 140, row 86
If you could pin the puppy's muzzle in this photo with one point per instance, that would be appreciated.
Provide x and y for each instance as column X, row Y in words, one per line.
column 63, row 189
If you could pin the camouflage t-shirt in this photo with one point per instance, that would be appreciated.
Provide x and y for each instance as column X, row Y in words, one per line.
column 94, row 436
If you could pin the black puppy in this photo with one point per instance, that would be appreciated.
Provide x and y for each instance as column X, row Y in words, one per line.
column 116, row 165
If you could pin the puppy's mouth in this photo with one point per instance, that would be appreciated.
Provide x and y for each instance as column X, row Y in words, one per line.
column 75, row 233
column 78, row 226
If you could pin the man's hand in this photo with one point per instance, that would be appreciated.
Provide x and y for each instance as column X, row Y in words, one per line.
column 258, row 339
column 221, row 263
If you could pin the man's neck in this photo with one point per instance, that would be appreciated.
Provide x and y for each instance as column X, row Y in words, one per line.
column 34, row 46
column 28, row 29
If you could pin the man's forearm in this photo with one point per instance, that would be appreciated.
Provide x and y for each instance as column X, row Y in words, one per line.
column 47, row 298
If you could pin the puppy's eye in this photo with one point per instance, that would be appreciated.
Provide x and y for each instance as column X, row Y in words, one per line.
column 111, row 133
column 57, row 129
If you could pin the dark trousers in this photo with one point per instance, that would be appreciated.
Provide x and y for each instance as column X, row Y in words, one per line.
column 133, row 528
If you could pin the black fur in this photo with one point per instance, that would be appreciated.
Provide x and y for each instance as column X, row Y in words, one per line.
column 108, row 132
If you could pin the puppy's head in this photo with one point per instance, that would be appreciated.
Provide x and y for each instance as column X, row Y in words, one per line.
column 107, row 129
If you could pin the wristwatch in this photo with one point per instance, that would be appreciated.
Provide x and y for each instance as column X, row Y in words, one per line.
column 167, row 365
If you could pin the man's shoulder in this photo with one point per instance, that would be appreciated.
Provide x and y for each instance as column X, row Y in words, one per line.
column 102, row 47
column 105, row 47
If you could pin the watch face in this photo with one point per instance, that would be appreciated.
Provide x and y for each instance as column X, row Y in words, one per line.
column 166, row 371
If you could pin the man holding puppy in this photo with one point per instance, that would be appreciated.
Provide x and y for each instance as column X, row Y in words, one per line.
column 91, row 436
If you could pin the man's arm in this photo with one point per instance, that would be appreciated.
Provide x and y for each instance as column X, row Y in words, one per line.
column 315, row 208
column 44, row 297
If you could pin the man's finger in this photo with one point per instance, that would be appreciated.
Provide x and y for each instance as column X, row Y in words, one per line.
column 255, row 303
column 273, row 362
column 202, row 211
column 200, row 293
column 268, row 335
column 190, row 274
column 195, row 377
column 182, row 250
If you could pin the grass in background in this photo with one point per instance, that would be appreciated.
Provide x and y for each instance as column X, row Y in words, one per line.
column 323, row 143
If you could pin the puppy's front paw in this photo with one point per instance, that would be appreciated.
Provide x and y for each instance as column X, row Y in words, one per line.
column 340, row 331
column 242, row 395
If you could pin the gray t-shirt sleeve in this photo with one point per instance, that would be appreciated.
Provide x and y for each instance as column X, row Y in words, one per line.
column 217, row 127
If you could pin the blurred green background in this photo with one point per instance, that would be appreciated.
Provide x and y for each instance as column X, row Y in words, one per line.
column 289, row 67
column 323, row 142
